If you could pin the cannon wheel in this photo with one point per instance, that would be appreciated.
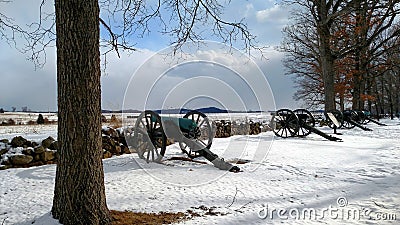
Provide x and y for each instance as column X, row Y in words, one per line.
column 349, row 115
column 339, row 117
column 203, row 133
column 285, row 123
column 305, row 117
column 361, row 117
column 149, row 137
column 364, row 118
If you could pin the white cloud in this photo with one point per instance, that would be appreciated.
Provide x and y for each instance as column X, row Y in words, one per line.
column 249, row 9
column 275, row 14
column 22, row 86
column 210, row 71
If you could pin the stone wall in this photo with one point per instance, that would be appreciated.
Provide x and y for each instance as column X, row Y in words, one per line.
column 226, row 128
column 20, row 152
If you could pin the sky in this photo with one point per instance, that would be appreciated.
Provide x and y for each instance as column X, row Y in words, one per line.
column 209, row 78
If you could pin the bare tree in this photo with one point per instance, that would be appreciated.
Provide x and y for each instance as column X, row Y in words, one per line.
column 384, row 75
column 8, row 28
column 324, row 15
column 79, row 195
column 342, row 39
column 371, row 20
column 302, row 59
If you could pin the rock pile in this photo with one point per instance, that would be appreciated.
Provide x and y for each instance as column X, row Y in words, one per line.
column 20, row 152
column 114, row 142
column 24, row 153
column 226, row 128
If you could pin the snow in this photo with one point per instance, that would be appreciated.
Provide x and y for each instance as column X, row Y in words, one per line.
column 293, row 174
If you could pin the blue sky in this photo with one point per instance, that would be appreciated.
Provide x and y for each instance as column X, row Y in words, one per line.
column 22, row 85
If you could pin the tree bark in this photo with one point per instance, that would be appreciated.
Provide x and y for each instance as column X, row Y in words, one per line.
column 327, row 58
column 79, row 194
column 328, row 74
column 361, row 52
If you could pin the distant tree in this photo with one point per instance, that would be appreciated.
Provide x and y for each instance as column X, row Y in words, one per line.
column 1, row 110
column 24, row 109
column 13, row 108
column 11, row 122
column 40, row 119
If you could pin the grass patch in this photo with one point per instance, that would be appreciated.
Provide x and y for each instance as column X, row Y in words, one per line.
column 129, row 218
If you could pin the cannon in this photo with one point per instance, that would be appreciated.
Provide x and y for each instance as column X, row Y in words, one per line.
column 365, row 118
column 347, row 119
column 297, row 123
column 193, row 132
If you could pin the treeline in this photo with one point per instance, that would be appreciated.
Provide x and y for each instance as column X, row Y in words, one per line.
column 345, row 54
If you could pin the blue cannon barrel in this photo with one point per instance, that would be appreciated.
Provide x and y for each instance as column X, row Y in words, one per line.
column 183, row 123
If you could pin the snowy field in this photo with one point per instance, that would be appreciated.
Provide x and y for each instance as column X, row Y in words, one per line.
column 296, row 180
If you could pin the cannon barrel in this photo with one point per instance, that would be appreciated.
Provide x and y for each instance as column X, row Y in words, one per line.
column 320, row 133
column 376, row 122
column 354, row 123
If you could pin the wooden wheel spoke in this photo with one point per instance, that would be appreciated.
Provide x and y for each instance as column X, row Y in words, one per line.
column 201, row 123
column 202, row 134
column 151, row 138
column 148, row 155
column 279, row 130
column 198, row 118
column 152, row 154
column 286, row 123
column 147, row 123
column 144, row 125
column 155, row 125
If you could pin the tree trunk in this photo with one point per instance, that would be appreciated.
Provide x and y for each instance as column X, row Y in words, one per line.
column 397, row 97
column 328, row 68
column 341, row 101
column 361, row 34
column 79, row 194
column 327, row 58
column 328, row 74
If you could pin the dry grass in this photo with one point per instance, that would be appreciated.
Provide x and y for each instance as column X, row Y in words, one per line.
column 129, row 218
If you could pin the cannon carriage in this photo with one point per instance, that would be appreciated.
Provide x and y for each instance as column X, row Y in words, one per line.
column 297, row 123
column 194, row 133
column 349, row 119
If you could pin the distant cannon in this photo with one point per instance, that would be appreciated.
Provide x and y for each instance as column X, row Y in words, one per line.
column 297, row 123
column 347, row 119
column 365, row 118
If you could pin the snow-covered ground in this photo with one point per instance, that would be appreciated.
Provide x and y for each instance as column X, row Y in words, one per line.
column 296, row 180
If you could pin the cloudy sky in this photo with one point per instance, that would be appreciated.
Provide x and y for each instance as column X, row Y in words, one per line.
column 211, row 78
